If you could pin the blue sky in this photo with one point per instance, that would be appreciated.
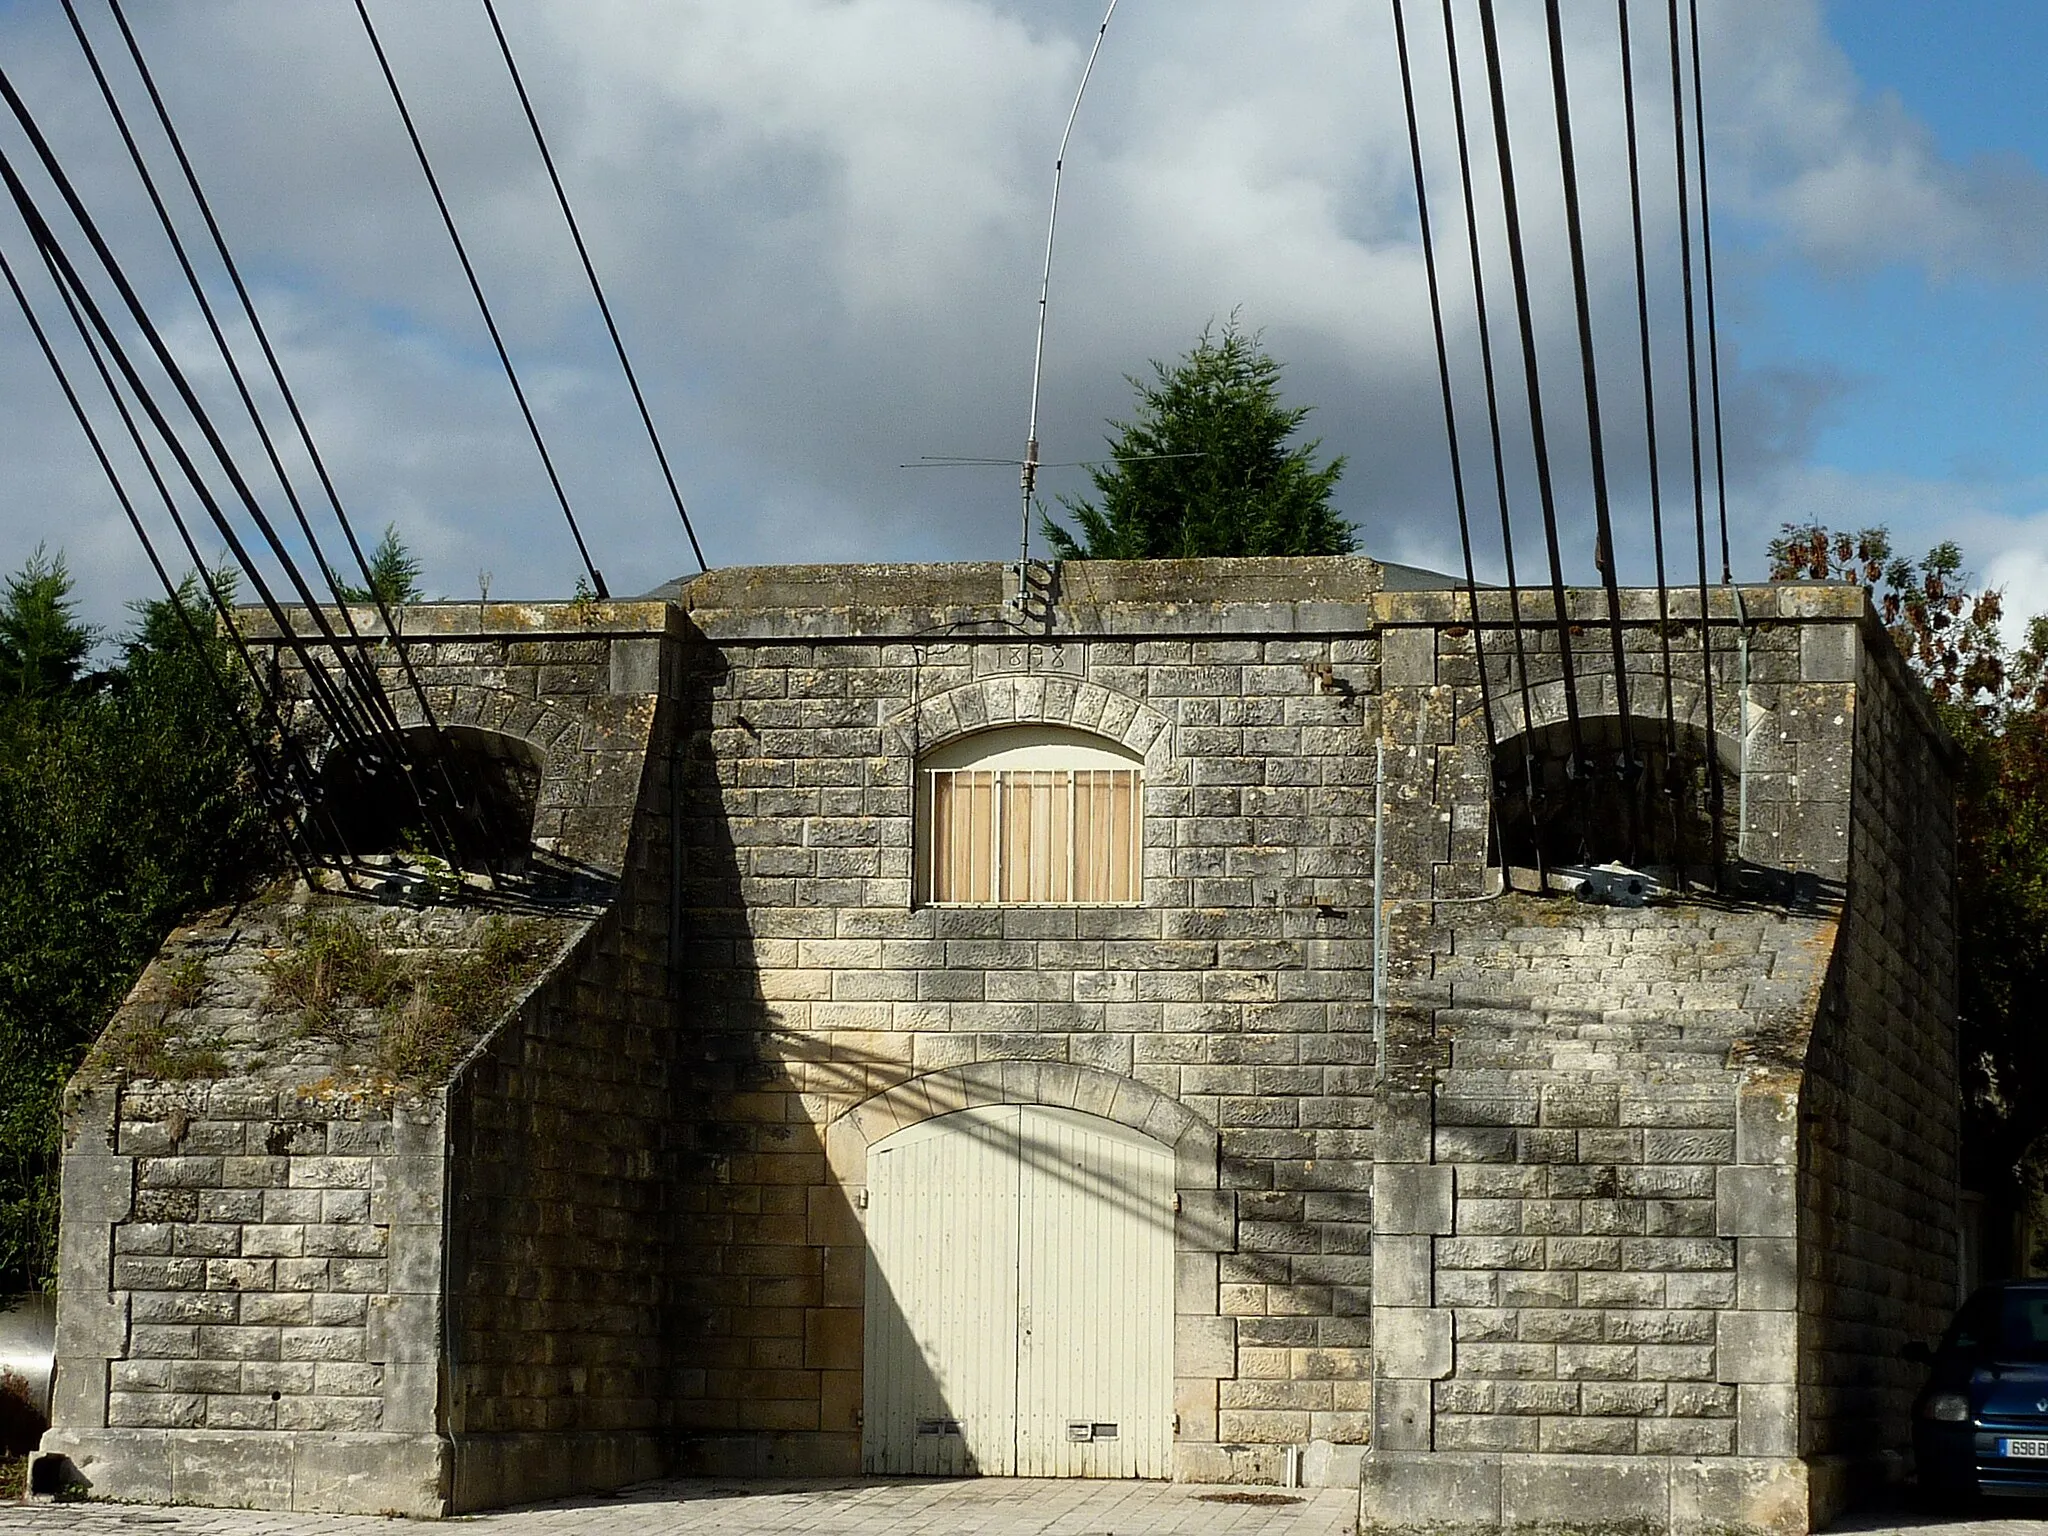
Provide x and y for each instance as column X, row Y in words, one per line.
column 1969, row 69
column 820, row 221
column 1945, row 377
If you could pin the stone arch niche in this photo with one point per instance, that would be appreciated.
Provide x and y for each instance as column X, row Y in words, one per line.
column 1652, row 811
column 481, row 787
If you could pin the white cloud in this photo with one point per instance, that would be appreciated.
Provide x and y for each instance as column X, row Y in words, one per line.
column 821, row 225
column 1849, row 177
column 2022, row 574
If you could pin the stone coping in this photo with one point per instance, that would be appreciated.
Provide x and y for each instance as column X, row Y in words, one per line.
column 1336, row 594
column 1086, row 583
column 1762, row 602
column 531, row 621
column 1098, row 599
column 1168, row 598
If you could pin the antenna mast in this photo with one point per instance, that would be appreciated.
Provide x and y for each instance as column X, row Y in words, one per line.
column 1029, row 478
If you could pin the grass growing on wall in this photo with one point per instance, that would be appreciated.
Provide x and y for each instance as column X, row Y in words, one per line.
column 407, row 1014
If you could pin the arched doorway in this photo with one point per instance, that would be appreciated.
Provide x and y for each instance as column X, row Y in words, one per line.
column 1019, row 1297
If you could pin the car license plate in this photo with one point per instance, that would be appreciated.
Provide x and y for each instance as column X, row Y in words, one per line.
column 2029, row 1448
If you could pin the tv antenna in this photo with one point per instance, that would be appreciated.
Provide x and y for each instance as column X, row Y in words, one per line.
column 1028, row 478
column 1029, row 465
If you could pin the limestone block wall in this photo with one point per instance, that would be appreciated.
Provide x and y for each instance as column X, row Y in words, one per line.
column 1876, row 1119
column 562, row 1208
column 1612, row 1228
column 1588, row 1208
column 1234, row 1003
column 225, row 1326
column 261, row 1222
column 1590, row 1127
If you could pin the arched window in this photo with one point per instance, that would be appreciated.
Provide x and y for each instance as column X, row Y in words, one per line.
column 1029, row 815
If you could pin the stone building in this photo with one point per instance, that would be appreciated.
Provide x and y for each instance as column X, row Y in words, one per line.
column 907, row 1031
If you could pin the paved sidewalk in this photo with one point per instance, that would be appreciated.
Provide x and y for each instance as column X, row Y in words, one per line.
column 1999, row 1517
column 895, row 1507
column 716, row 1507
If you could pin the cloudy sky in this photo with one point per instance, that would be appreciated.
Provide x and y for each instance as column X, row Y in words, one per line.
column 820, row 222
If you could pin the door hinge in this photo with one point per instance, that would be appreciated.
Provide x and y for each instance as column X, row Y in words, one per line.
column 1176, row 1205
column 860, row 1199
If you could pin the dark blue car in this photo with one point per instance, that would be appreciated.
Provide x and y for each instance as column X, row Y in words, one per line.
column 1980, row 1425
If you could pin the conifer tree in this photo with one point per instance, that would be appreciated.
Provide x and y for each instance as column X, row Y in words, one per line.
column 126, row 802
column 1206, row 467
column 42, row 645
column 394, row 573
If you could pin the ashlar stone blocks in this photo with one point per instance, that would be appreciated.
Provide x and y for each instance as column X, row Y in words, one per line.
column 1590, row 1216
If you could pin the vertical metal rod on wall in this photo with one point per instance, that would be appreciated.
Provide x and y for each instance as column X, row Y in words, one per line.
column 1741, row 726
column 675, row 873
column 1379, row 911
column 1073, row 862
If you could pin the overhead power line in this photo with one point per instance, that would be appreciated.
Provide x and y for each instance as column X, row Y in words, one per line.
column 596, row 288
column 1532, row 777
column 353, row 662
column 476, row 289
column 439, row 833
column 1699, row 139
column 277, row 801
column 339, row 703
column 209, row 582
column 1715, row 793
column 297, row 776
column 1655, row 469
column 276, row 367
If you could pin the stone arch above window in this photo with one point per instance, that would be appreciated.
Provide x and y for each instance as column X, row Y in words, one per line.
column 1033, row 699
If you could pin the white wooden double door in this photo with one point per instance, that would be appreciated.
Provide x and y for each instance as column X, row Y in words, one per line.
column 1019, row 1298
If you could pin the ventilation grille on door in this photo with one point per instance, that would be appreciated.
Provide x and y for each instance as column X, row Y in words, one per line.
column 938, row 1426
column 1078, row 1429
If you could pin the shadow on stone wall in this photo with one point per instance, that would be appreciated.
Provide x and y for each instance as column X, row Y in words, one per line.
column 774, row 1293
